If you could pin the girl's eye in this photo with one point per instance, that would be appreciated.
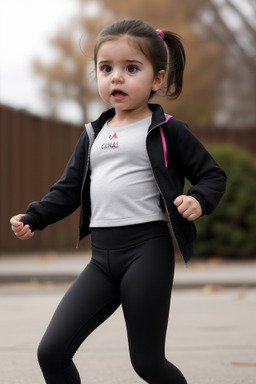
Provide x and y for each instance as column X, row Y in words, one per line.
column 132, row 69
column 106, row 68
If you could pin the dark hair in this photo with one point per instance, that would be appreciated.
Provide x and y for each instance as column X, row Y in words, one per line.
column 164, row 52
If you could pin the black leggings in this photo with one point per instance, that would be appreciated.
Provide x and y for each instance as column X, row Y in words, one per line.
column 132, row 266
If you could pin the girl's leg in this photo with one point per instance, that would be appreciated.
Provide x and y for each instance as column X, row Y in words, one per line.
column 90, row 300
column 145, row 296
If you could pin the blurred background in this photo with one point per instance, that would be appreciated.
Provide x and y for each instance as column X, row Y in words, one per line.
column 48, row 91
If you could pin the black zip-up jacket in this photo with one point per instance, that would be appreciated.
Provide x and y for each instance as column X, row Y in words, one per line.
column 186, row 157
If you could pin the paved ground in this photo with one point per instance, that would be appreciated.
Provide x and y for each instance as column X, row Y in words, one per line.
column 211, row 333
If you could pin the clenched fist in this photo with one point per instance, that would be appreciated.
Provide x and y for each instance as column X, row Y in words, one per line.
column 23, row 232
column 188, row 207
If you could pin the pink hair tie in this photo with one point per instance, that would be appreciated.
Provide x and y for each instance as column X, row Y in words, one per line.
column 160, row 33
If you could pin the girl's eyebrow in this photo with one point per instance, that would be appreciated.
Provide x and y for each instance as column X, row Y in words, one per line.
column 104, row 61
column 133, row 61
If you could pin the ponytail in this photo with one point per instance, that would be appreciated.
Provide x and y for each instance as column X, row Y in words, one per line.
column 176, row 63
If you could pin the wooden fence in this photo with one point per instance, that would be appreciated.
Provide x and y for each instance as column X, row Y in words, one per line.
column 33, row 153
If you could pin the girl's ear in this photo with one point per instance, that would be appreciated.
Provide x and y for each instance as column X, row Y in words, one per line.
column 158, row 80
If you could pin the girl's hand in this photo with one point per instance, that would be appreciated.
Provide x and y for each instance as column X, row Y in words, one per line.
column 188, row 207
column 23, row 232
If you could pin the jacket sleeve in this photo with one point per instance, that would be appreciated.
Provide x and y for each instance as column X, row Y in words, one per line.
column 198, row 166
column 64, row 196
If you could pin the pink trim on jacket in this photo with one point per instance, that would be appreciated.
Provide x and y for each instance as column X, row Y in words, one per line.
column 164, row 142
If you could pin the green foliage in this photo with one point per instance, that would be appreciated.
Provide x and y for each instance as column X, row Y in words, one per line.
column 230, row 231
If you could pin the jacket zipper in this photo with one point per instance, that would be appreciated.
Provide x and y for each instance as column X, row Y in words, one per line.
column 82, row 188
column 166, row 209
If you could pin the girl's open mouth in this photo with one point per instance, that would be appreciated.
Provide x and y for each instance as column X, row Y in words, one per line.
column 118, row 94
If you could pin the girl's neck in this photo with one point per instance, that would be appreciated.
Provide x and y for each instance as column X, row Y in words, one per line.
column 123, row 118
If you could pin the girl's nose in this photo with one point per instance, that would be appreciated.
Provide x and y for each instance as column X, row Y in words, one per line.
column 117, row 77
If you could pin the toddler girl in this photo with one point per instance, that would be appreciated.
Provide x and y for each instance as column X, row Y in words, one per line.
column 127, row 174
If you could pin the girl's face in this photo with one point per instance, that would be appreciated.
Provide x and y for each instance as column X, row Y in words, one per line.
column 125, row 76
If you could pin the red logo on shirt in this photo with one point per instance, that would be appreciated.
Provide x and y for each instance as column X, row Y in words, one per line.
column 114, row 136
column 112, row 144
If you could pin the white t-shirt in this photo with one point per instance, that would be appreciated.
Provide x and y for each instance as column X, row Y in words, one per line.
column 123, row 188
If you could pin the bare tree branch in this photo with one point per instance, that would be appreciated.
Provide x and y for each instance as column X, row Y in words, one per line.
column 243, row 18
